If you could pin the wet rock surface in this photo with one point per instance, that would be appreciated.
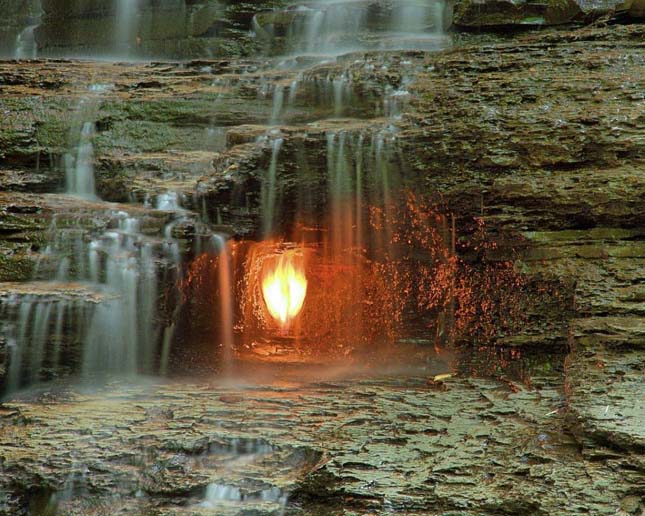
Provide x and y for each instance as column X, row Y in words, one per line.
column 373, row 443
column 541, row 137
column 499, row 15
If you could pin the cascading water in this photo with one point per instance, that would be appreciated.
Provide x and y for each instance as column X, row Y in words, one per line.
column 26, row 46
column 332, row 27
column 358, row 177
column 416, row 17
column 42, row 323
column 79, row 169
column 222, row 248
column 79, row 165
column 115, row 322
column 278, row 103
column 122, row 333
column 125, row 26
column 126, row 265
column 326, row 27
column 269, row 189
column 131, row 264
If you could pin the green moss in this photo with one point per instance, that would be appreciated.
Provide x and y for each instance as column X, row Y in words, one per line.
column 145, row 136
column 178, row 111
column 52, row 134
column 16, row 268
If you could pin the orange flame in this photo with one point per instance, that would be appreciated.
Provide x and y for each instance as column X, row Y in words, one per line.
column 284, row 289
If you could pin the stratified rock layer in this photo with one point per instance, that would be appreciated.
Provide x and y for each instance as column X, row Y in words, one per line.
column 542, row 138
column 503, row 15
column 376, row 445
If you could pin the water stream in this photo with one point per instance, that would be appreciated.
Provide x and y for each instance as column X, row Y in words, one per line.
column 333, row 27
column 26, row 46
column 125, row 26
column 79, row 163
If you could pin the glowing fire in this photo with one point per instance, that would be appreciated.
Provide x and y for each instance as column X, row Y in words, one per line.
column 284, row 288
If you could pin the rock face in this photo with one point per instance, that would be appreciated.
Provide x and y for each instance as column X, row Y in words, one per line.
column 496, row 14
column 179, row 29
column 539, row 138
column 382, row 445
column 637, row 9
column 147, row 29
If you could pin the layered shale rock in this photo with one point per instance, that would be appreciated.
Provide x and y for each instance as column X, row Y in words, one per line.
column 503, row 15
column 539, row 138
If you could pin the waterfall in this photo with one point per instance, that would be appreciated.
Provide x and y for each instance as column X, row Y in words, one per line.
column 269, row 189
column 413, row 16
column 278, row 103
column 341, row 185
column 359, row 177
column 122, row 332
column 79, row 165
column 225, row 273
column 79, row 169
column 99, row 291
column 168, row 201
column 125, row 30
column 37, row 324
column 325, row 27
column 332, row 27
column 26, row 47
column 342, row 93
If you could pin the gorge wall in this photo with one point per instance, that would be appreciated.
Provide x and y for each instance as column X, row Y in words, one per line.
column 179, row 29
column 122, row 180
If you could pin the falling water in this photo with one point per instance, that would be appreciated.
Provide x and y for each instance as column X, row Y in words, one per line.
column 168, row 201
column 37, row 328
column 124, row 34
column 221, row 247
column 79, row 169
column 278, row 103
column 126, row 265
column 123, row 329
column 26, row 47
column 340, row 187
column 332, row 90
column 332, row 27
column 342, row 93
column 269, row 189
column 113, row 317
column 359, row 177
column 325, row 28
column 413, row 16
column 79, row 165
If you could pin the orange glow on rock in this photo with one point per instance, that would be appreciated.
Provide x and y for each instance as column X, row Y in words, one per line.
column 284, row 288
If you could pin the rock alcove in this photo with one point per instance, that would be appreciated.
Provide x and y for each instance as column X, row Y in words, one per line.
column 357, row 257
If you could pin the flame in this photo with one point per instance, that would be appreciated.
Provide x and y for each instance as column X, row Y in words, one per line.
column 284, row 289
